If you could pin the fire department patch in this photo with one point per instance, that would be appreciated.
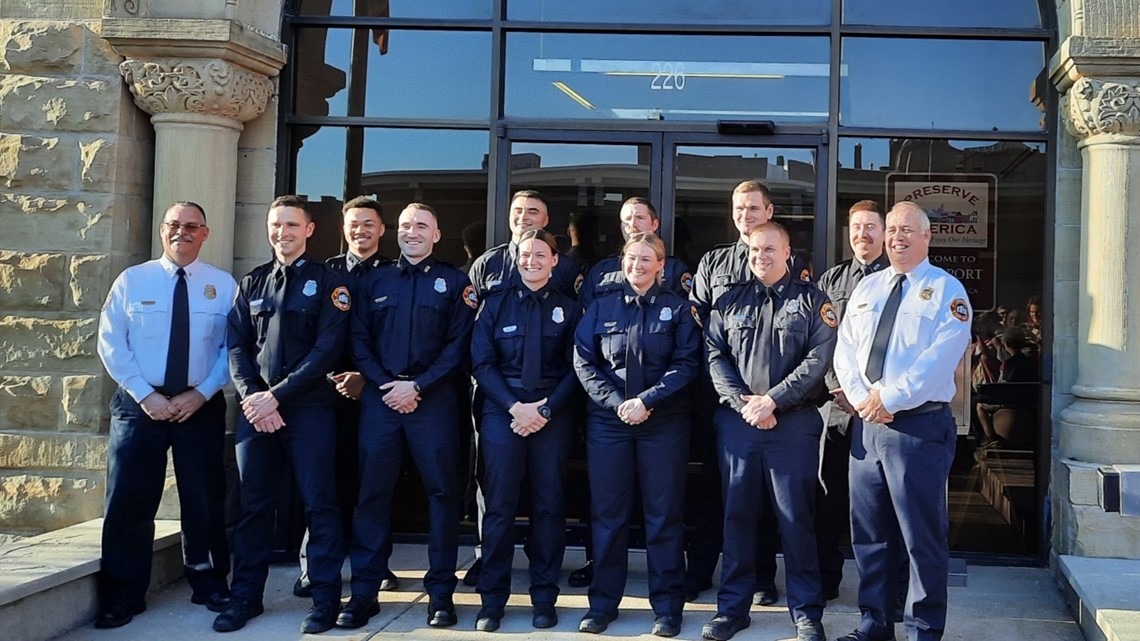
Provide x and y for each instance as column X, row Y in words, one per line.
column 805, row 274
column 960, row 309
column 578, row 283
column 341, row 300
column 470, row 297
column 827, row 313
column 687, row 282
column 696, row 316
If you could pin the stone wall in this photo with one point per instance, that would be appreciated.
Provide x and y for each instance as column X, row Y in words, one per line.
column 76, row 176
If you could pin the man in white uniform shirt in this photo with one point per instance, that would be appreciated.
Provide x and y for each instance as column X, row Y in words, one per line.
column 162, row 338
column 904, row 331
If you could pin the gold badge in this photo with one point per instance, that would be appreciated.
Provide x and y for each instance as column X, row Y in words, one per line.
column 827, row 313
column 340, row 299
column 926, row 293
column 470, row 297
column 211, row 292
column 960, row 309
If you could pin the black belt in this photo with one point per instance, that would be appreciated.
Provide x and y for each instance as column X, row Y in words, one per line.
column 925, row 408
column 542, row 382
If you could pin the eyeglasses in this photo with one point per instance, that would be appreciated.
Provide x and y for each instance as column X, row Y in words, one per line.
column 190, row 228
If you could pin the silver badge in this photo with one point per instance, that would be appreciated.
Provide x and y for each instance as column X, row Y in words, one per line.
column 440, row 285
column 310, row 288
column 666, row 314
column 558, row 316
column 793, row 306
column 510, row 328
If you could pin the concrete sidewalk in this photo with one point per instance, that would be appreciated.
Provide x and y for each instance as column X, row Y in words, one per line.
column 998, row 604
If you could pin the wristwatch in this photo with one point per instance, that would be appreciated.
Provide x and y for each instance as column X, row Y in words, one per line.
column 416, row 387
column 544, row 411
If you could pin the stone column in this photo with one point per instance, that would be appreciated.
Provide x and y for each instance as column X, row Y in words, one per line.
column 1100, row 83
column 197, row 108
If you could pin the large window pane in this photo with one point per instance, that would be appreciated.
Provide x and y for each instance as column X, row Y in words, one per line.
column 940, row 84
column 454, row 9
column 652, row 77
column 940, row 13
column 759, row 12
column 394, row 74
column 987, row 204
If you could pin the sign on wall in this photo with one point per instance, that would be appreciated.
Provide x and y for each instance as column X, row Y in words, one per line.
column 963, row 236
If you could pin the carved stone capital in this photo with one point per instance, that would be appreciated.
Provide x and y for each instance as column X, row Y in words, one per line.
column 1096, row 106
column 207, row 87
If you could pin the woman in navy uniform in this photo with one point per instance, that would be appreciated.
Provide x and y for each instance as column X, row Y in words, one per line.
column 521, row 357
column 636, row 354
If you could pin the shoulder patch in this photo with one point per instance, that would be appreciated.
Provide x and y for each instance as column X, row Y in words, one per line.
column 805, row 275
column 960, row 310
column 827, row 313
column 341, row 299
column 696, row 316
column 578, row 283
column 687, row 282
column 470, row 297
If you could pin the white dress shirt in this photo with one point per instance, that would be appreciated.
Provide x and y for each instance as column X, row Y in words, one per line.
column 930, row 336
column 134, row 326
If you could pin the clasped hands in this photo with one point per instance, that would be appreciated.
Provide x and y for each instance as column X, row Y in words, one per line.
column 759, row 411
column 633, row 411
column 261, row 410
column 872, row 410
column 526, row 419
column 401, row 396
column 176, row 409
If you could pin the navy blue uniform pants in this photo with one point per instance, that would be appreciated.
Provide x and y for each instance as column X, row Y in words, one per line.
column 620, row 457
column 898, row 487
column 507, row 460
column 307, row 443
column 832, row 509
column 777, row 465
column 136, row 475
column 431, row 434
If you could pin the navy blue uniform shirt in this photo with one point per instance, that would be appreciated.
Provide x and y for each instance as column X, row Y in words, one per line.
column 313, row 330
column 497, row 268
column 838, row 283
column 726, row 267
column 606, row 278
column 670, row 349
column 353, row 270
column 498, row 341
column 803, row 341
column 440, row 306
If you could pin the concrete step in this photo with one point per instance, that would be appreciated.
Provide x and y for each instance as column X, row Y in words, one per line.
column 1104, row 596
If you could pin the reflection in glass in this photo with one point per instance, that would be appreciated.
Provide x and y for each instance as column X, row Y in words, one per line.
column 940, row 84
column 655, row 77
column 456, row 9
column 992, row 493
column 759, row 12
column 589, row 181
column 386, row 77
column 939, row 13
column 444, row 169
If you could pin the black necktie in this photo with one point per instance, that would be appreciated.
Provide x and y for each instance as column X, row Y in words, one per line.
column 273, row 330
column 762, row 367
column 634, row 368
column 532, row 344
column 878, row 353
column 402, row 355
column 178, row 352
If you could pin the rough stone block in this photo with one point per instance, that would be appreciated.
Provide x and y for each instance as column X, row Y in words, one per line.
column 26, row 403
column 83, row 406
column 69, row 224
column 30, row 281
column 51, row 344
column 37, row 103
column 36, row 164
column 33, row 503
column 99, row 57
column 97, row 165
column 90, row 281
column 28, row 45
column 53, row 452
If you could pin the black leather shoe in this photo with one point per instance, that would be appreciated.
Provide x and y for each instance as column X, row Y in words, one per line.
column 809, row 630
column 215, row 602
column 471, row 576
column 596, row 622
column 390, row 584
column 545, row 616
column 117, row 616
column 859, row 635
column 488, row 619
column 357, row 612
column 766, row 596
column 668, row 625
column 441, row 612
column 301, row 587
column 237, row 614
column 581, row 577
column 321, row 618
column 722, row 627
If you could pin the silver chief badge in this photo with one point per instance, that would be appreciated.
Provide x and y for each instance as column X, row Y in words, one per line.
column 440, row 285
column 558, row 316
column 310, row 288
column 666, row 314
